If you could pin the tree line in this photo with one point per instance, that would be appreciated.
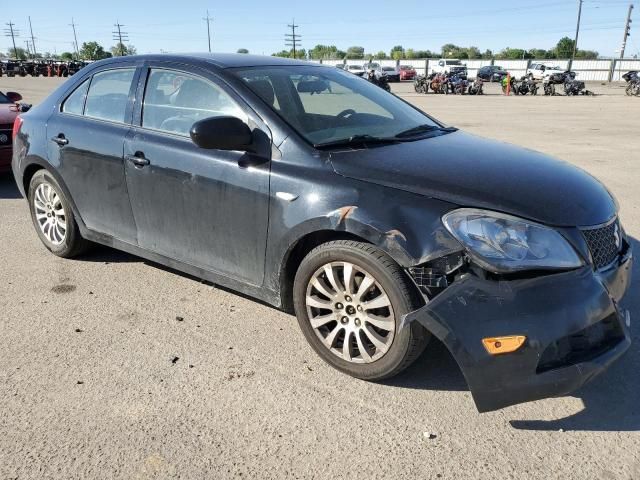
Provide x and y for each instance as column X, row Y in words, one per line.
column 88, row 51
column 563, row 49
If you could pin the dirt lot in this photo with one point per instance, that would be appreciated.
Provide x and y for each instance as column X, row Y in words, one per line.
column 99, row 378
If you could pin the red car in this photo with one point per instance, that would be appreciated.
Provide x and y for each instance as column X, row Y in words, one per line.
column 9, row 110
column 407, row 72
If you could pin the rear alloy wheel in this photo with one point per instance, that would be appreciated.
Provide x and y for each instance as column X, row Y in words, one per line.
column 53, row 217
column 349, row 298
column 50, row 214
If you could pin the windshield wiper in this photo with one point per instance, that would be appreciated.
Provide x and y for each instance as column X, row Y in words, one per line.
column 357, row 140
column 424, row 129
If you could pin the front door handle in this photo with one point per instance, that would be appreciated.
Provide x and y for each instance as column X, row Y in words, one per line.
column 61, row 140
column 138, row 159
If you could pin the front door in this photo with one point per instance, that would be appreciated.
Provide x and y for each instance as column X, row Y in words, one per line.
column 201, row 207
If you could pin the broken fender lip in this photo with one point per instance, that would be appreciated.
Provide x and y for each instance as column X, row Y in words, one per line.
column 545, row 309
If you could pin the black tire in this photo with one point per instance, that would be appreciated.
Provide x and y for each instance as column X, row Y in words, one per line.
column 407, row 344
column 73, row 244
column 629, row 90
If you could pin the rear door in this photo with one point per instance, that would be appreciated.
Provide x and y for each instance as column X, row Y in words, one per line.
column 86, row 143
column 206, row 208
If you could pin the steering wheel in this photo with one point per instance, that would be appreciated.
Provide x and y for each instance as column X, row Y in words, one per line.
column 346, row 113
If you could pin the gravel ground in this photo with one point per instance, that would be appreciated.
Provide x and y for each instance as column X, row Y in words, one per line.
column 114, row 367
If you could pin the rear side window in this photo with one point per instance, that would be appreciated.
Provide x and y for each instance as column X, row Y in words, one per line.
column 174, row 101
column 75, row 102
column 108, row 95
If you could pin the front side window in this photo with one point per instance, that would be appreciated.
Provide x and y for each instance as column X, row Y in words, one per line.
column 108, row 95
column 174, row 101
column 325, row 104
column 75, row 102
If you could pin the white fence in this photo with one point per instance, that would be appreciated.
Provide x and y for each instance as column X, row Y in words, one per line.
column 587, row 70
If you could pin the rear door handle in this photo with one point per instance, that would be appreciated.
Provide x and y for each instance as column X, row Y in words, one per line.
column 60, row 140
column 138, row 159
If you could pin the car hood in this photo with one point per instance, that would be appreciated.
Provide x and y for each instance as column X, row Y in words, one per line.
column 471, row 171
column 6, row 114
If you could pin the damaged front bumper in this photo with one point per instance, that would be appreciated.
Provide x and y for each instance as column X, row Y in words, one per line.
column 573, row 325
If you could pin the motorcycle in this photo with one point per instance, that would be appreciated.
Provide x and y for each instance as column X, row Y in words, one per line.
column 458, row 85
column 380, row 81
column 633, row 83
column 439, row 83
column 513, row 85
column 421, row 84
column 476, row 87
column 528, row 85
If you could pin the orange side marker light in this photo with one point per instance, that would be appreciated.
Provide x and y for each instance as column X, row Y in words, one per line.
column 500, row 345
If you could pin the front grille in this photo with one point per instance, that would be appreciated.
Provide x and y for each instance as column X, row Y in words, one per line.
column 582, row 346
column 604, row 243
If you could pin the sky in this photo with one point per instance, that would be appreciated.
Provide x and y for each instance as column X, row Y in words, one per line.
column 260, row 26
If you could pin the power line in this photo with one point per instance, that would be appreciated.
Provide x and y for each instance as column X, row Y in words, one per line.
column 33, row 40
column 208, row 19
column 292, row 39
column 120, row 37
column 10, row 32
column 627, row 31
column 575, row 43
column 75, row 37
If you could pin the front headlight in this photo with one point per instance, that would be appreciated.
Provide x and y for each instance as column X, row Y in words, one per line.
column 503, row 243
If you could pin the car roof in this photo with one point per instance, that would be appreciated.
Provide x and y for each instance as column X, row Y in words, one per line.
column 220, row 60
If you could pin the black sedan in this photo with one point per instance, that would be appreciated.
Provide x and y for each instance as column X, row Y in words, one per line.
column 491, row 73
column 316, row 191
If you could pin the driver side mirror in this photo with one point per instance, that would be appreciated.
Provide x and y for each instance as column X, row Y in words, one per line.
column 222, row 133
column 15, row 97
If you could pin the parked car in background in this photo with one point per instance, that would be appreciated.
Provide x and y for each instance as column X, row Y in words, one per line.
column 450, row 66
column 355, row 69
column 491, row 73
column 341, row 66
column 392, row 74
column 540, row 71
column 9, row 110
column 356, row 212
column 407, row 72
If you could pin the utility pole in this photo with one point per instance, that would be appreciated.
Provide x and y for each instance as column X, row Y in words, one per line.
column 75, row 38
column 33, row 40
column 120, row 37
column 292, row 39
column 208, row 19
column 627, row 31
column 575, row 43
column 10, row 32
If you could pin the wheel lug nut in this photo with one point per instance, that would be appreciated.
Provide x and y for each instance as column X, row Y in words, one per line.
column 357, row 322
column 347, row 298
column 339, row 306
column 359, row 308
column 345, row 320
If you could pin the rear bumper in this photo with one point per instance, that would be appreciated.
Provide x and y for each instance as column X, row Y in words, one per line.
column 573, row 325
column 5, row 159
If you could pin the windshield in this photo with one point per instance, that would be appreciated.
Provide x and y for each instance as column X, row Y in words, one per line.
column 4, row 99
column 325, row 105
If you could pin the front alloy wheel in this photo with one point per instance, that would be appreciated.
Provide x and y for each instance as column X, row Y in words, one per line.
column 349, row 298
column 350, row 312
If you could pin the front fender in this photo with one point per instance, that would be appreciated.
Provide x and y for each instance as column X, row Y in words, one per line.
column 405, row 225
